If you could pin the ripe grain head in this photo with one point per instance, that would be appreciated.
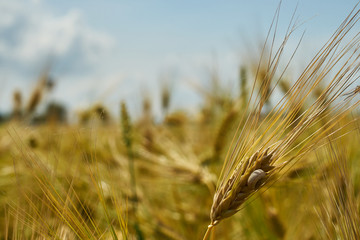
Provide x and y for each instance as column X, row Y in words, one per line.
column 265, row 144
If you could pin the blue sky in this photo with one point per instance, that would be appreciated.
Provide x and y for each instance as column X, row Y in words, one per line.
column 114, row 50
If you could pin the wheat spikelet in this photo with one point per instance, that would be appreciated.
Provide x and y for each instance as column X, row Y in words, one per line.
column 223, row 131
column 38, row 92
column 245, row 180
column 17, row 105
column 337, row 208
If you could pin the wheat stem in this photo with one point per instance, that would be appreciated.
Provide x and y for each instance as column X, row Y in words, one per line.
column 208, row 231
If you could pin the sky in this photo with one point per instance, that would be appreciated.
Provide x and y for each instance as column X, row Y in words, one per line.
column 112, row 50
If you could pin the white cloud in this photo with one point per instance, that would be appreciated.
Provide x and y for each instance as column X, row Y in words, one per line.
column 31, row 34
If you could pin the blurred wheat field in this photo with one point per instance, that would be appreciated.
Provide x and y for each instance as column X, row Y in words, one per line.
column 249, row 165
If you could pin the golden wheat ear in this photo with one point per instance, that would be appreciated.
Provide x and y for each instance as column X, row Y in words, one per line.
column 246, row 179
column 267, row 143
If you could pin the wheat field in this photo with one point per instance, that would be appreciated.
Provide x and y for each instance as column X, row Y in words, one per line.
column 279, row 159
